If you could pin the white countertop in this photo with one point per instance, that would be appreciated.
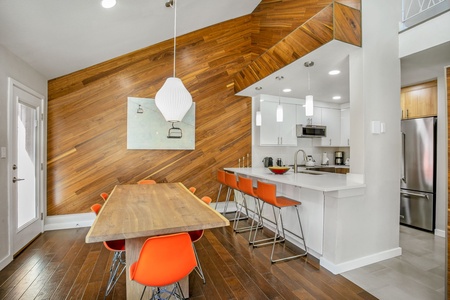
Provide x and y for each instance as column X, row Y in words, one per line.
column 325, row 182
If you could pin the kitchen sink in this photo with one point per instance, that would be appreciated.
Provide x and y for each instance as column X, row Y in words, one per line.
column 310, row 173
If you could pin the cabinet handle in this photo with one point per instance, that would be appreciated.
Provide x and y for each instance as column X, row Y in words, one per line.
column 348, row 142
column 281, row 138
column 330, row 142
column 407, row 113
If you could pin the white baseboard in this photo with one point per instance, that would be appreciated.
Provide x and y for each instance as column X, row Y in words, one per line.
column 360, row 262
column 68, row 221
column 439, row 232
column 5, row 261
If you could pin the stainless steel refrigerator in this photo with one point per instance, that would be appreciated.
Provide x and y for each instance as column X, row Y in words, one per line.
column 417, row 185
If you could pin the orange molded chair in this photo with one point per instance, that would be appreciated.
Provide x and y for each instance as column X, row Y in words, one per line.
column 192, row 189
column 164, row 260
column 267, row 193
column 221, row 180
column 246, row 188
column 104, row 196
column 146, row 181
column 196, row 235
column 118, row 264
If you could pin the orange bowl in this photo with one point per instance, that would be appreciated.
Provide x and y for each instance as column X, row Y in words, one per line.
column 279, row 170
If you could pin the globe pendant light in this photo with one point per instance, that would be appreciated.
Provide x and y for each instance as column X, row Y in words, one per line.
column 309, row 102
column 173, row 99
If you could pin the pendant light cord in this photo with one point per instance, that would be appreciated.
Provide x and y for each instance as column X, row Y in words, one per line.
column 174, row 36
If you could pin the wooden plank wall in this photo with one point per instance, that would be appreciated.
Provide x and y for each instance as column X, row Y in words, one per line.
column 333, row 21
column 87, row 109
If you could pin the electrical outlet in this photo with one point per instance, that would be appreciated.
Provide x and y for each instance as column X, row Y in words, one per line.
column 2, row 152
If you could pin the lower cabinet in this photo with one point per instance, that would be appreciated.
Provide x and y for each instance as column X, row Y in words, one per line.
column 277, row 133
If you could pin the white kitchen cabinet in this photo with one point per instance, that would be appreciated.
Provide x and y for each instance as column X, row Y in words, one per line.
column 277, row 133
column 316, row 119
column 345, row 127
column 332, row 119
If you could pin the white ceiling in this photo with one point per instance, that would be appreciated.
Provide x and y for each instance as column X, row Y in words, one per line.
column 57, row 37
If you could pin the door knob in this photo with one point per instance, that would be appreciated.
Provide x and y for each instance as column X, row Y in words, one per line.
column 17, row 179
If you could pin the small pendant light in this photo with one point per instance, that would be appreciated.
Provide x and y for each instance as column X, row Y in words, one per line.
column 309, row 101
column 258, row 118
column 279, row 106
column 173, row 99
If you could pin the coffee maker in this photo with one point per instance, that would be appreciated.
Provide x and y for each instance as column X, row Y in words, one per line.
column 339, row 158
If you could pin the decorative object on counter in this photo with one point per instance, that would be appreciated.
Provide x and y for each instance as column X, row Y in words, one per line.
column 239, row 162
column 325, row 160
column 279, row 170
column 279, row 162
column 258, row 119
column 347, row 161
column 309, row 100
column 339, row 158
column 268, row 161
column 248, row 160
column 173, row 99
column 279, row 107
column 310, row 162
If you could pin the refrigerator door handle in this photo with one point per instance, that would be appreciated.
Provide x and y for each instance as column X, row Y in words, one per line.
column 403, row 158
column 415, row 194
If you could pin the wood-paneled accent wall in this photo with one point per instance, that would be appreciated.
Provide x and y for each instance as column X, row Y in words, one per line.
column 87, row 110
column 334, row 21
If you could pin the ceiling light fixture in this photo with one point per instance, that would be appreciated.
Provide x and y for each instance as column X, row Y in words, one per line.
column 279, row 106
column 334, row 72
column 287, row 90
column 309, row 100
column 173, row 99
column 336, row 97
column 108, row 3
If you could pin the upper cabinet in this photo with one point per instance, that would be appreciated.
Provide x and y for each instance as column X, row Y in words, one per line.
column 419, row 100
column 331, row 118
column 273, row 133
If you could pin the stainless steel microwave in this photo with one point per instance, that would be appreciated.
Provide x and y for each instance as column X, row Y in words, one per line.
column 311, row 131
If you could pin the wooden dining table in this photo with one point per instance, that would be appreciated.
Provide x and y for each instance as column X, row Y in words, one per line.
column 135, row 212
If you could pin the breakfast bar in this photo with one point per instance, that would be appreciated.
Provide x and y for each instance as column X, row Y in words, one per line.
column 332, row 207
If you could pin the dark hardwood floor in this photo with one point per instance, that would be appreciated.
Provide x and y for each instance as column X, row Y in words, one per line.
column 60, row 265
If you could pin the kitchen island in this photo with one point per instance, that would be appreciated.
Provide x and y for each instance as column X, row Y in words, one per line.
column 332, row 212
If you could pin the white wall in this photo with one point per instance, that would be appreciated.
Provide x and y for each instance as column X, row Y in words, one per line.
column 11, row 66
column 374, row 96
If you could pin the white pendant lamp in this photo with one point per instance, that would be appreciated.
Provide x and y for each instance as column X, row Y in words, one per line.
column 279, row 106
column 309, row 100
column 258, row 118
column 173, row 99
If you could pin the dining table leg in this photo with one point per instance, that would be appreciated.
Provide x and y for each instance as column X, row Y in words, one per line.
column 134, row 289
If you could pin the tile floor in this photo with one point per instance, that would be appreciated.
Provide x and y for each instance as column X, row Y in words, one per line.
column 419, row 273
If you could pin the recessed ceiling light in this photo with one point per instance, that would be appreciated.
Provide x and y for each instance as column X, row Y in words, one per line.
column 287, row 90
column 334, row 72
column 336, row 97
column 108, row 3
column 258, row 88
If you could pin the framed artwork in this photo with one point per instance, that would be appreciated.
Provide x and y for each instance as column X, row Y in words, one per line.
column 147, row 128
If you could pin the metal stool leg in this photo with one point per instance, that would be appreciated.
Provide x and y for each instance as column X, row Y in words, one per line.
column 118, row 265
column 198, row 268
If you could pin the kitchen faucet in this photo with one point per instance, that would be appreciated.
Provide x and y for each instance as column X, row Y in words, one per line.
column 295, row 159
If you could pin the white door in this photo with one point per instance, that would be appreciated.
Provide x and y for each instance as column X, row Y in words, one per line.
column 26, row 174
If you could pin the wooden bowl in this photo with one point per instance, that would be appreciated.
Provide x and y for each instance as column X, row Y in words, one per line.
column 279, row 170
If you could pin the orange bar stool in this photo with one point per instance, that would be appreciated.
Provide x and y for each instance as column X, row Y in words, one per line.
column 164, row 260
column 146, row 181
column 267, row 193
column 193, row 189
column 118, row 264
column 104, row 196
column 221, row 180
column 246, row 188
column 196, row 235
column 232, row 183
